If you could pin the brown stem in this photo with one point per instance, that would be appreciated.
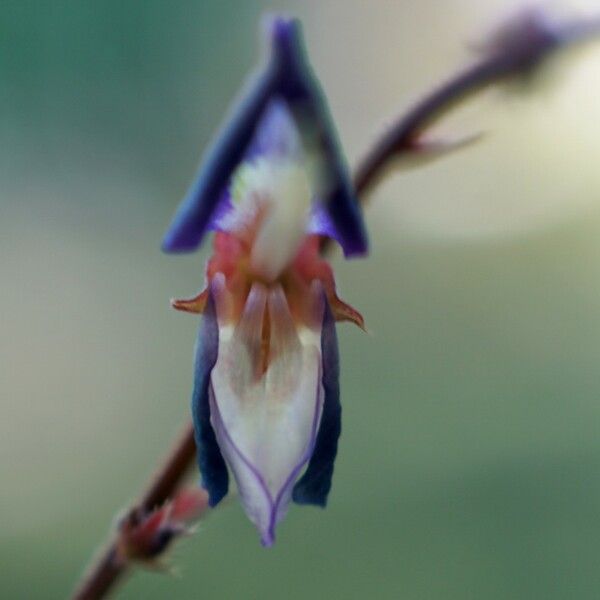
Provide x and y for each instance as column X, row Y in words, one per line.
column 400, row 139
column 517, row 50
column 107, row 569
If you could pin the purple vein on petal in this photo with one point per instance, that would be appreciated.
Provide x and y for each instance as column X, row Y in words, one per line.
column 291, row 479
column 269, row 539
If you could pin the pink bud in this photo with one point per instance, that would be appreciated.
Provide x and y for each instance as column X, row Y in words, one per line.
column 144, row 536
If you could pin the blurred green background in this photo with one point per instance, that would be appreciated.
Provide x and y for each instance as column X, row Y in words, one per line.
column 469, row 466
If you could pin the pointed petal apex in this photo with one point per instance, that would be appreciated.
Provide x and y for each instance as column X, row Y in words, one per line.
column 266, row 421
column 302, row 91
column 287, row 77
column 194, row 215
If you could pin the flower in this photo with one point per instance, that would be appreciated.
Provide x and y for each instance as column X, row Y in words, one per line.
column 266, row 393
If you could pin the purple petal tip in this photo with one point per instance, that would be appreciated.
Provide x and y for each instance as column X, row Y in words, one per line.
column 267, row 540
column 282, row 28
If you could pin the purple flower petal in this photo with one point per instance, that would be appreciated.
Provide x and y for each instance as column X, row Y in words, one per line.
column 221, row 213
column 314, row 485
column 253, row 130
column 194, row 214
column 320, row 223
column 276, row 136
column 301, row 89
column 215, row 478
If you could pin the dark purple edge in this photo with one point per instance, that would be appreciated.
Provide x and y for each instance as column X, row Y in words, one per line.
column 193, row 217
column 215, row 479
column 293, row 476
column 290, row 76
column 314, row 486
column 306, row 100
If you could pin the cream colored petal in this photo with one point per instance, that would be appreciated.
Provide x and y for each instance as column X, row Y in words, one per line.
column 266, row 426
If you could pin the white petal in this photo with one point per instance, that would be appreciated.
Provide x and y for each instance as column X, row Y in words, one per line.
column 288, row 203
column 271, row 193
column 266, row 423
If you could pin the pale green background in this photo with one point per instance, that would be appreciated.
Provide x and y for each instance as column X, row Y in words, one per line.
column 469, row 466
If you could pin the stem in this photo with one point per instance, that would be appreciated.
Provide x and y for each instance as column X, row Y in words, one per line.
column 527, row 44
column 107, row 570
column 401, row 137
